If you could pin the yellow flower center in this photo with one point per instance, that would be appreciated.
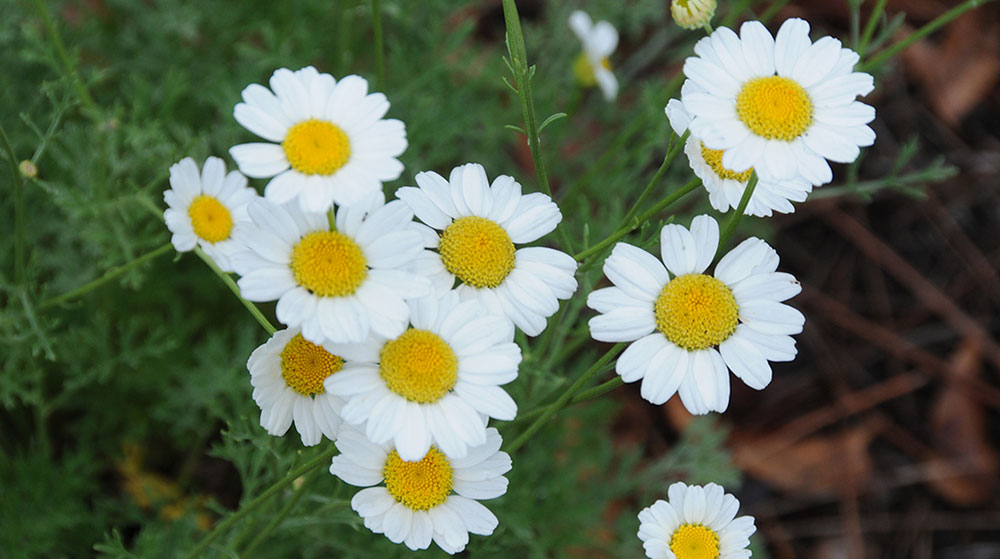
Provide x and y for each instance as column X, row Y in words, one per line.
column 316, row 147
column 329, row 264
column 419, row 485
column 696, row 311
column 477, row 250
column 584, row 72
column 419, row 366
column 210, row 219
column 305, row 365
column 713, row 158
column 694, row 541
column 774, row 107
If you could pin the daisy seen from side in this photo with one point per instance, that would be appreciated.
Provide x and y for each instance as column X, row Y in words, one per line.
column 327, row 140
column 592, row 66
column 203, row 206
column 783, row 105
column 697, row 522
column 434, row 384
column 337, row 284
column 690, row 328
column 479, row 225
column 433, row 498
column 287, row 374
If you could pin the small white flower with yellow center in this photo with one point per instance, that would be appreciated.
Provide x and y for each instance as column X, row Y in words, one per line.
column 692, row 14
column 697, row 523
column 479, row 224
column 782, row 105
column 725, row 187
column 204, row 206
column 336, row 284
column 435, row 497
column 436, row 383
column 593, row 67
column 330, row 142
column 689, row 329
column 287, row 375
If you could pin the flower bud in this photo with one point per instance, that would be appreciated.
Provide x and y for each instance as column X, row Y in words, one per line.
column 692, row 14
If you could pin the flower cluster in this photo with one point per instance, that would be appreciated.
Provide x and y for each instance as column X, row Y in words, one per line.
column 400, row 317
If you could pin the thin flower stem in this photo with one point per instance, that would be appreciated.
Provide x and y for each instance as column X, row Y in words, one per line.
column 735, row 13
column 259, row 500
column 873, row 18
column 668, row 160
column 279, row 517
column 773, row 10
column 522, row 75
column 614, row 237
column 68, row 66
column 582, row 396
column 228, row 280
column 109, row 275
column 565, row 397
column 927, row 29
column 734, row 220
column 18, row 181
column 379, row 46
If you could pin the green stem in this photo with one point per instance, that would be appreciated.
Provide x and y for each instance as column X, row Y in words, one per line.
column 279, row 517
column 18, row 182
column 228, row 280
column 379, row 47
column 735, row 13
column 68, row 66
column 920, row 34
column 522, row 74
column 734, row 220
column 668, row 160
column 611, row 239
column 583, row 396
column 246, row 509
column 873, row 18
column 773, row 10
column 565, row 397
column 109, row 275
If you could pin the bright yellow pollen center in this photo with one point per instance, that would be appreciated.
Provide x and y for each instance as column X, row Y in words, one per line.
column 694, row 541
column 696, row 311
column 305, row 365
column 713, row 158
column 477, row 250
column 329, row 264
column 316, row 147
column 419, row 485
column 774, row 107
column 584, row 72
column 210, row 219
column 419, row 366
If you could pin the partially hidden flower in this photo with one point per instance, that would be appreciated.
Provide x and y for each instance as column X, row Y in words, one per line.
column 698, row 522
column 592, row 66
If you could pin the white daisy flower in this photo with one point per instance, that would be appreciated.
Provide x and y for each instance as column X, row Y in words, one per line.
column 479, row 224
column 781, row 105
column 725, row 187
column 688, row 329
column 599, row 40
column 205, row 206
column 697, row 523
column 287, row 375
column 692, row 14
column 329, row 142
column 436, row 383
column 339, row 284
column 435, row 497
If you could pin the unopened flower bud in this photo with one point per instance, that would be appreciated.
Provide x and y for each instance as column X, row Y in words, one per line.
column 692, row 14
column 28, row 169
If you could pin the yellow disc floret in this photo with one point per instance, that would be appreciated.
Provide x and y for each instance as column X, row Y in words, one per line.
column 584, row 71
column 316, row 147
column 305, row 365
column 713, row 158
column 210, row 219
column 477, row 250
column 774, row 107
column 696, row 311
column 694, row 541
column 419, row 485
column 419, row 366
column 329, row 264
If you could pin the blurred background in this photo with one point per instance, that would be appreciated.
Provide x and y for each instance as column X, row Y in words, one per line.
column 126, row 424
